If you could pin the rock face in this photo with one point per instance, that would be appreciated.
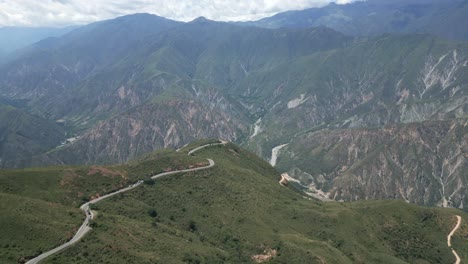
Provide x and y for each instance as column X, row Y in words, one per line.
column 145, row 129
column 357, row 117
column 424, row 163
column 342, row 135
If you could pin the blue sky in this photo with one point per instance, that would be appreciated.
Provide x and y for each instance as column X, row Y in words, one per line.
column 37, row 13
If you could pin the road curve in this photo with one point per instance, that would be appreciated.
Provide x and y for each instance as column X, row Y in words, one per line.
column 85, row 228
column 449, row 239
column 283, row 181
column 205, row 146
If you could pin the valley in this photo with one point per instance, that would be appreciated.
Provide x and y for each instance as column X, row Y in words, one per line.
column 169, row 83
column 333, row 134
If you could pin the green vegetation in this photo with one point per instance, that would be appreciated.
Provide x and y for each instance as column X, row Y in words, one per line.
column 198, row 143
column 442, row 18
column 141, row 82
column 30, row 226
column 39, row 208
column 145, row 83
column 23, row 135
column 161, row 161
column 237, row 209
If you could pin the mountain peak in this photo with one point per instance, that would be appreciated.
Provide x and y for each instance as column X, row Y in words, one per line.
column 201, row 19
column 140, row 16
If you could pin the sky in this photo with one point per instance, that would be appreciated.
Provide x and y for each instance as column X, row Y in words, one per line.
column 57, row 13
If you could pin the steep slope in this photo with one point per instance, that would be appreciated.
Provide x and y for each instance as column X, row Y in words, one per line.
column 168, row 83
column 235, row 212
column 374, row 17
column 80, row 76
column 384, row 80
column 421, row 163
column 23, row 135
column 176, row 68
column 52, row 69
column 449, row 23
column 39, row 207
column 374, row 82
column 153, row 126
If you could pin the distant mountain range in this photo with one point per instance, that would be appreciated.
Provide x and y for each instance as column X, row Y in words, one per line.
column 15, row 38
column 444, row 18
column 364, row 117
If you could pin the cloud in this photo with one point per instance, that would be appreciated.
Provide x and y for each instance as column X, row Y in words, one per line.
column 69, row 12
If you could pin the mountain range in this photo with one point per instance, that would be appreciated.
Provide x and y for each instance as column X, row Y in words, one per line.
column 350, row 115
column 444, row 18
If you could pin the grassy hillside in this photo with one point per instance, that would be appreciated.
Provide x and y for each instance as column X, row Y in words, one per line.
column 39, row 207
column 237, row 209
column 29, row 226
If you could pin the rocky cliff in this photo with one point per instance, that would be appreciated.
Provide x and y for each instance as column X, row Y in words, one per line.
column 424, row 163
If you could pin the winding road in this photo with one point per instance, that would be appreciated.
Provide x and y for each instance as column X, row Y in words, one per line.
column 449, row 239
column 85, row 228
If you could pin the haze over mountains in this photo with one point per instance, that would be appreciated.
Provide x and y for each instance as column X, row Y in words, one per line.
column 373, row 17
column 15, row 38
column 365, row 113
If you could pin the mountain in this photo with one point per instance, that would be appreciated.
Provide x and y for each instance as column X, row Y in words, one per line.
column 15, row 38
column 144, row 129
column 444, row 18
column 23, row 135
column 373, row 84
column 421, row 163
column 234, row 212
column 175, row 71
column 140, row 83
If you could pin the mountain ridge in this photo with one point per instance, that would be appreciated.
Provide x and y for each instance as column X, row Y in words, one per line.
column 375, row 17
column 171, row 83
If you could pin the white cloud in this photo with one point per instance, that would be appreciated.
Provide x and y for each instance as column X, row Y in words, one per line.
column 68, row 12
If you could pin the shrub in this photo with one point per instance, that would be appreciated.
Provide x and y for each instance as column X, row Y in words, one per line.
column 192, row 226
column 152, row 213
column 149, row 182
